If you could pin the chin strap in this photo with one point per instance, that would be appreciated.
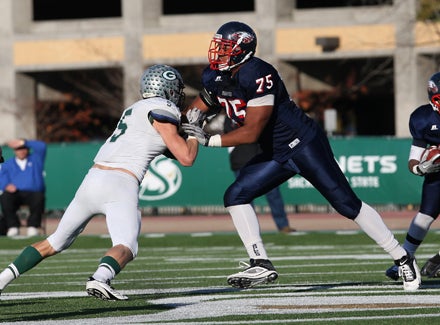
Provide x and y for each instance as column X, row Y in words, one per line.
column 229, row 67
column 434, row 107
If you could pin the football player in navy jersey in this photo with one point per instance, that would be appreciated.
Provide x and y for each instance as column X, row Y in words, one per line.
column 253, row 95
column 424, row 125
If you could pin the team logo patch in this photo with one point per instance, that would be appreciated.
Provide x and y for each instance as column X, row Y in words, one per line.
column 162, row 180
column 169, row 75
column 242, row 37
column 432, row 86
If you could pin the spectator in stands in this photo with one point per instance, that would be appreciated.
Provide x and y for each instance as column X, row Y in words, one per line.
column 2, row 219
column 22, row 183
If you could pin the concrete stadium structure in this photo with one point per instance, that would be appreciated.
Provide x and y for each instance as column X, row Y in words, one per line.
column 145, row 36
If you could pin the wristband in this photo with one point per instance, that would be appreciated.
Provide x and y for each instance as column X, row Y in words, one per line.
column 215, row 141
column 191, row 137
column 416, row 170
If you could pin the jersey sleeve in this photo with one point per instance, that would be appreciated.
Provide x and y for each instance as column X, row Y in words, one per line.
column 164, row 111
column 208, row 80
column 416, row 128
column 260, row 80
column 164, row 116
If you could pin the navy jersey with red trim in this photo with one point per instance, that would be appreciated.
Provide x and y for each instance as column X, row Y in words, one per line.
column 288, row 129
column 424, row 125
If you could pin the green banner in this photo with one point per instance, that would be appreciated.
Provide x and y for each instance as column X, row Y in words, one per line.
column 376, row 168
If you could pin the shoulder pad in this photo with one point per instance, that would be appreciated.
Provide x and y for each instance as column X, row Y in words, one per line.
column 162, row 115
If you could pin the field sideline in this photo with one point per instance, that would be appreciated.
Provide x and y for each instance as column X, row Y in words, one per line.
column 395, row 220
column 325, row 276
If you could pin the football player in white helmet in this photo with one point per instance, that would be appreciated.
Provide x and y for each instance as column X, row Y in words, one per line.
column 145, row 130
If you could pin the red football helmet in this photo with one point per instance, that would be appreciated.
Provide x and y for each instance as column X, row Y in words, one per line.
column 232, row 45
column 434, row 91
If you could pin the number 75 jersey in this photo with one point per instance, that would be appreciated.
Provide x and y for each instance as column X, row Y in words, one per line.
column 135, row 142
column 257, row 84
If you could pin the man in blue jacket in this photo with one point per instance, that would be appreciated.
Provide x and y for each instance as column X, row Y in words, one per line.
column 22, row 183
column 2, row 219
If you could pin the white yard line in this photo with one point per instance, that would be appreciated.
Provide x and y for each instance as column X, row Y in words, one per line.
column 291, row 302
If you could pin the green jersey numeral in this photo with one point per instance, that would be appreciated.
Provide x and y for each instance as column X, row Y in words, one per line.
column 122, row 126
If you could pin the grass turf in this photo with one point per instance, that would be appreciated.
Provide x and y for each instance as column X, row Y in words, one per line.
column 181, row 278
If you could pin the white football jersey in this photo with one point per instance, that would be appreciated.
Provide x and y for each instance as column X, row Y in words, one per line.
column 135, row 142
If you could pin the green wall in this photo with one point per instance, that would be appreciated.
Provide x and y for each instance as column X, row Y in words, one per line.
column 375, row 166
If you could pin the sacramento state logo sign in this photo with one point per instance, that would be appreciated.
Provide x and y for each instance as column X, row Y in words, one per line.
column 161, row 181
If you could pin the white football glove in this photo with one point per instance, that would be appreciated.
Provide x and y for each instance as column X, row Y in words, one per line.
column 428, row 166
column 195, row 117
column 197, row 132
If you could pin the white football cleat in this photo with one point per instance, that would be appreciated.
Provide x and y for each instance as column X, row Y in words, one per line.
column 257, row 272
column 409, row 271
column 103, row 290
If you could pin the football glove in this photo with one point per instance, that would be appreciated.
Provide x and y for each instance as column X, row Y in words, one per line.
column 195, row 117
column 197, row 132
column 428, row 166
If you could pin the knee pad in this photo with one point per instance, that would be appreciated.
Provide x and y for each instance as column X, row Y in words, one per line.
column 236, row 195
column 423, row 221
column 59, row 243
column 349, row 207
column 133, row 247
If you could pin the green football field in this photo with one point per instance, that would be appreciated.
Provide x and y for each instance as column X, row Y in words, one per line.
column 325, row 277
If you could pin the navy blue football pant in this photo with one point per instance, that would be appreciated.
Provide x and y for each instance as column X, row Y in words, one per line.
column 314, row 161
column 276, row 204
column 430, row 204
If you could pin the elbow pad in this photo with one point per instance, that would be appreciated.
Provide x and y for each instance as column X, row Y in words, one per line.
column 211, row 101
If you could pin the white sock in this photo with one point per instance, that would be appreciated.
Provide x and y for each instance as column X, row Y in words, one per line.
column 246, row 223
column 6, row 277
column 104, row 273
column 371, row 222
column 418, row 229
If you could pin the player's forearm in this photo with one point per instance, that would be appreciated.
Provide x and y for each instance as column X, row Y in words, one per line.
column 186, row 155
column 239, row 136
